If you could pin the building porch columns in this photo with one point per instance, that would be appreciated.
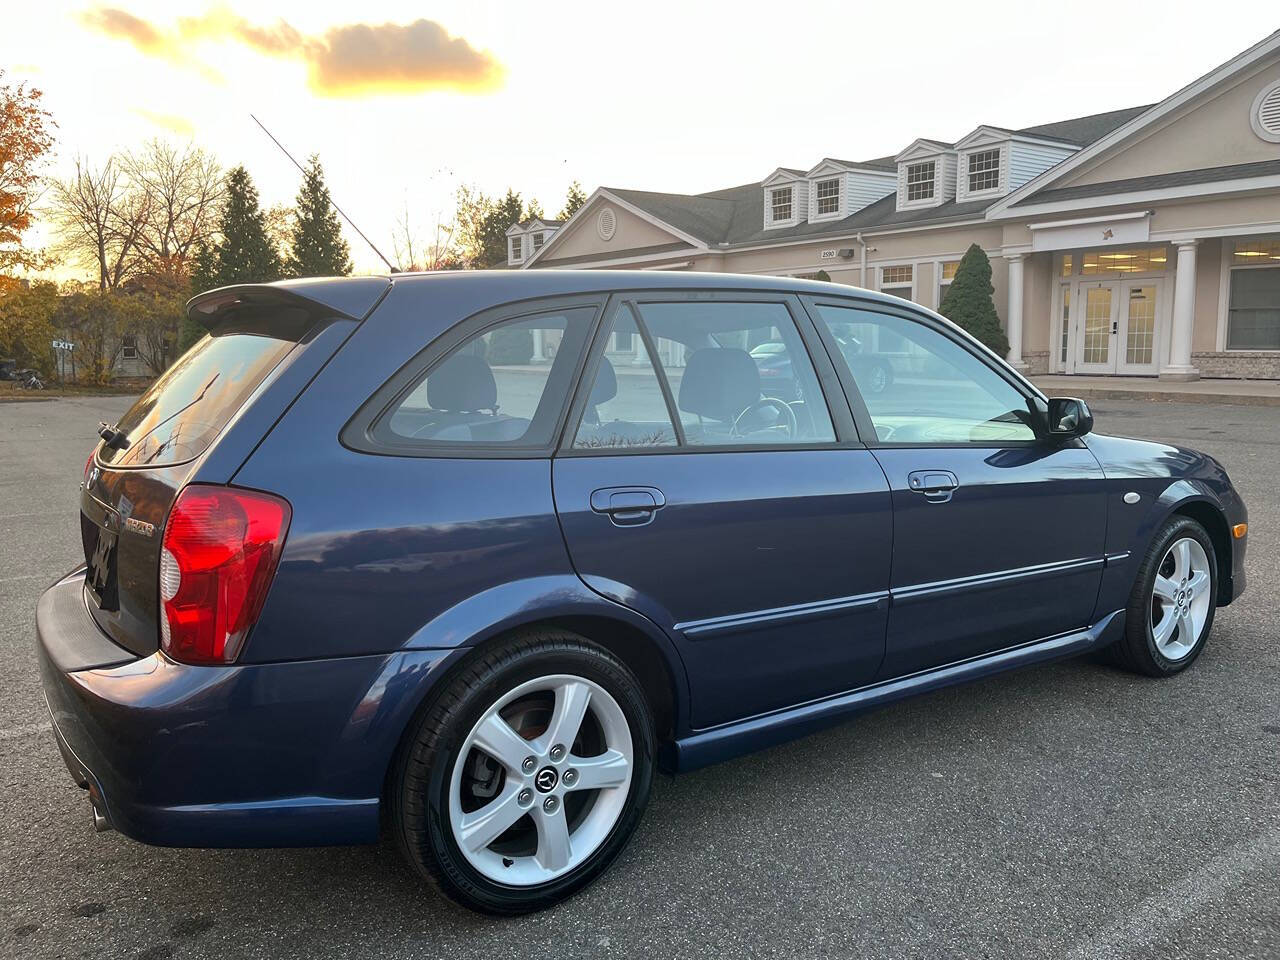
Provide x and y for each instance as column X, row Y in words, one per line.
column 1184, row 313
column 1014, row 317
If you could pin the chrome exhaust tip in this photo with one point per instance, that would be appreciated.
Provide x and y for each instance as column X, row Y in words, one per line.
column 101, row 823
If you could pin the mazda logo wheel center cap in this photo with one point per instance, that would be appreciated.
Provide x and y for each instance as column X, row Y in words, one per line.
column 546, row 779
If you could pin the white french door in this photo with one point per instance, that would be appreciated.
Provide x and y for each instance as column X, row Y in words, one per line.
column 1116, row 326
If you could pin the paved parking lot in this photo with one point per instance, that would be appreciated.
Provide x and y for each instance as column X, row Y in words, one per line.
column 1064, row 811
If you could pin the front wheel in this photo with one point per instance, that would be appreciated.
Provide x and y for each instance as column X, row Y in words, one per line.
column 1172, row 604
column 527, row 775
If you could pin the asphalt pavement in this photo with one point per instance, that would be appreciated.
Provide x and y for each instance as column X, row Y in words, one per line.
column 1068, row 810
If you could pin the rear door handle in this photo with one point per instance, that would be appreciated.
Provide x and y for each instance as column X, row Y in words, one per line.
column 628, row 506
column 936, row 486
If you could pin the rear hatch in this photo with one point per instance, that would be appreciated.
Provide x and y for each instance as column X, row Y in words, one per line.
column 156, row 448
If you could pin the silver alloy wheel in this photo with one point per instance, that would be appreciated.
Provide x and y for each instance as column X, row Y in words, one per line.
column 573, row 801
column 1181, row 598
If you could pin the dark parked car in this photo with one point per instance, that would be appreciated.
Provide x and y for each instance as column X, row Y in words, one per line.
column 349, row 568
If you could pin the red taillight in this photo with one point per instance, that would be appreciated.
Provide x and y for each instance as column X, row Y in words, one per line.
column 88, row 465
column 221, row 547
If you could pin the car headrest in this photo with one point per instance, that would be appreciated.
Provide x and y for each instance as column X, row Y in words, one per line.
column 463, row 383
column 606, row 385
column 719, row 382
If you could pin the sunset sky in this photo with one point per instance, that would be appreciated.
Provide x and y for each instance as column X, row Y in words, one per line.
column 404, row 101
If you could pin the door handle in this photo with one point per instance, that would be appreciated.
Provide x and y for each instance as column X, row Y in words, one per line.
column 628, row 506
column 937, row 486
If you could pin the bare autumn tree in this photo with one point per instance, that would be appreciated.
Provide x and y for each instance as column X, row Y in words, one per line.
column 412, row 253
column 100, row 220
column 181, row 189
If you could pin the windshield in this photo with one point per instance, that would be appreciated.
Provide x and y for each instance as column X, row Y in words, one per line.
column 183, row 411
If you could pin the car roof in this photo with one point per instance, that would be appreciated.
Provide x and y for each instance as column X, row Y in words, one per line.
column 523, row 283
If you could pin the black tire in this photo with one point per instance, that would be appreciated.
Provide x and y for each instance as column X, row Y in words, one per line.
column 419, row 787
column 1136, row 650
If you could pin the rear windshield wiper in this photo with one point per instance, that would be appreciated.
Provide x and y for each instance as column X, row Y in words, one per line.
column 113, row 435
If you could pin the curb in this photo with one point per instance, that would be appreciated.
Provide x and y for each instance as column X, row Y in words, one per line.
column 1239, row 399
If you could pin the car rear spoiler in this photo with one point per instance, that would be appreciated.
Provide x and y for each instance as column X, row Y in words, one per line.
column 350, row 298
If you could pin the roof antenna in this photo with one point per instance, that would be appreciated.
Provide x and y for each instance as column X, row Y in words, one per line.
column 331, row 201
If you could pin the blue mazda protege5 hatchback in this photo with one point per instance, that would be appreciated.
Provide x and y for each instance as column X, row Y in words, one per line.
column 464, row 558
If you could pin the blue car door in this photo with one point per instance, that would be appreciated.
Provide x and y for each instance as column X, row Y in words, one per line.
column 999, row 530
column 735, row 510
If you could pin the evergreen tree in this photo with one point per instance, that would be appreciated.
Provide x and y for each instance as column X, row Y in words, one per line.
column 968, row 302
column 241, row 253
column 244, row 253
column 534, row 211
column 574, row 199
column 317, row 248
column 500, row 216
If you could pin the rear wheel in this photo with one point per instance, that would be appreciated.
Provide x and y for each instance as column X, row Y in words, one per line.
column 527, row 775
column 1172, row 604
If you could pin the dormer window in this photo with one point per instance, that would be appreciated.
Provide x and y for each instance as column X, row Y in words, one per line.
column 984, row 170
column 516, row 253
column 828, row 196
column 538, row 240
column 920, row 177
column 780, row 204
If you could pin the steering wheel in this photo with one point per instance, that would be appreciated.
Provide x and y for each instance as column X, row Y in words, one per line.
column 788, row 415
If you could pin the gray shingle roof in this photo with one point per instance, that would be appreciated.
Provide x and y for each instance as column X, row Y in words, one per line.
column 1236, row 171
column 735, row 215
column 1084, row 130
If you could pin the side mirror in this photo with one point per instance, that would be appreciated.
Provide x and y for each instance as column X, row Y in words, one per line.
column 1069, row 417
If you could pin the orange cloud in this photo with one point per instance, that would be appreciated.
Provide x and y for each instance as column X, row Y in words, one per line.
column 350, row 60
column 125, row 26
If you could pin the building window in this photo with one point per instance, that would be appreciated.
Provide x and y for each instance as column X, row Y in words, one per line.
column 516, row 253
column 538, row 240
column 920, row 181
column 1066, row 265
column 780, row 204
column 129, row 347
column 1066, row 321
column 948, row 274
column 1253, row 307
column 1131, row 260
column 828, row 196
column 984, row 170
column 897, row 280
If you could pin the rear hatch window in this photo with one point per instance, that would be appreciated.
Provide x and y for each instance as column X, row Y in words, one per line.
column 136, row 476
column 184, row 411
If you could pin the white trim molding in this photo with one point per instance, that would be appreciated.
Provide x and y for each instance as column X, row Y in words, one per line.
column 1132, row 227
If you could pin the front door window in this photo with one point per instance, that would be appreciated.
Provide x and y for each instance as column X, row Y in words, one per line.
column 1140, row 326
column 1117, row 327
column 1098, row 318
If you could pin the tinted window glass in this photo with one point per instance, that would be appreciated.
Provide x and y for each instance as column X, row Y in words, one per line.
column 739, row 372
column 185, row 409
column 504, row 386
column 626, row 407
column 926, row 388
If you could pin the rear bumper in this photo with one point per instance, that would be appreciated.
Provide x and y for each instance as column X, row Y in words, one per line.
column 282, row 754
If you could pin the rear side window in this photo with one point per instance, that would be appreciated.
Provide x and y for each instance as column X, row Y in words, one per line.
column 182, row 413
column 504, row 386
